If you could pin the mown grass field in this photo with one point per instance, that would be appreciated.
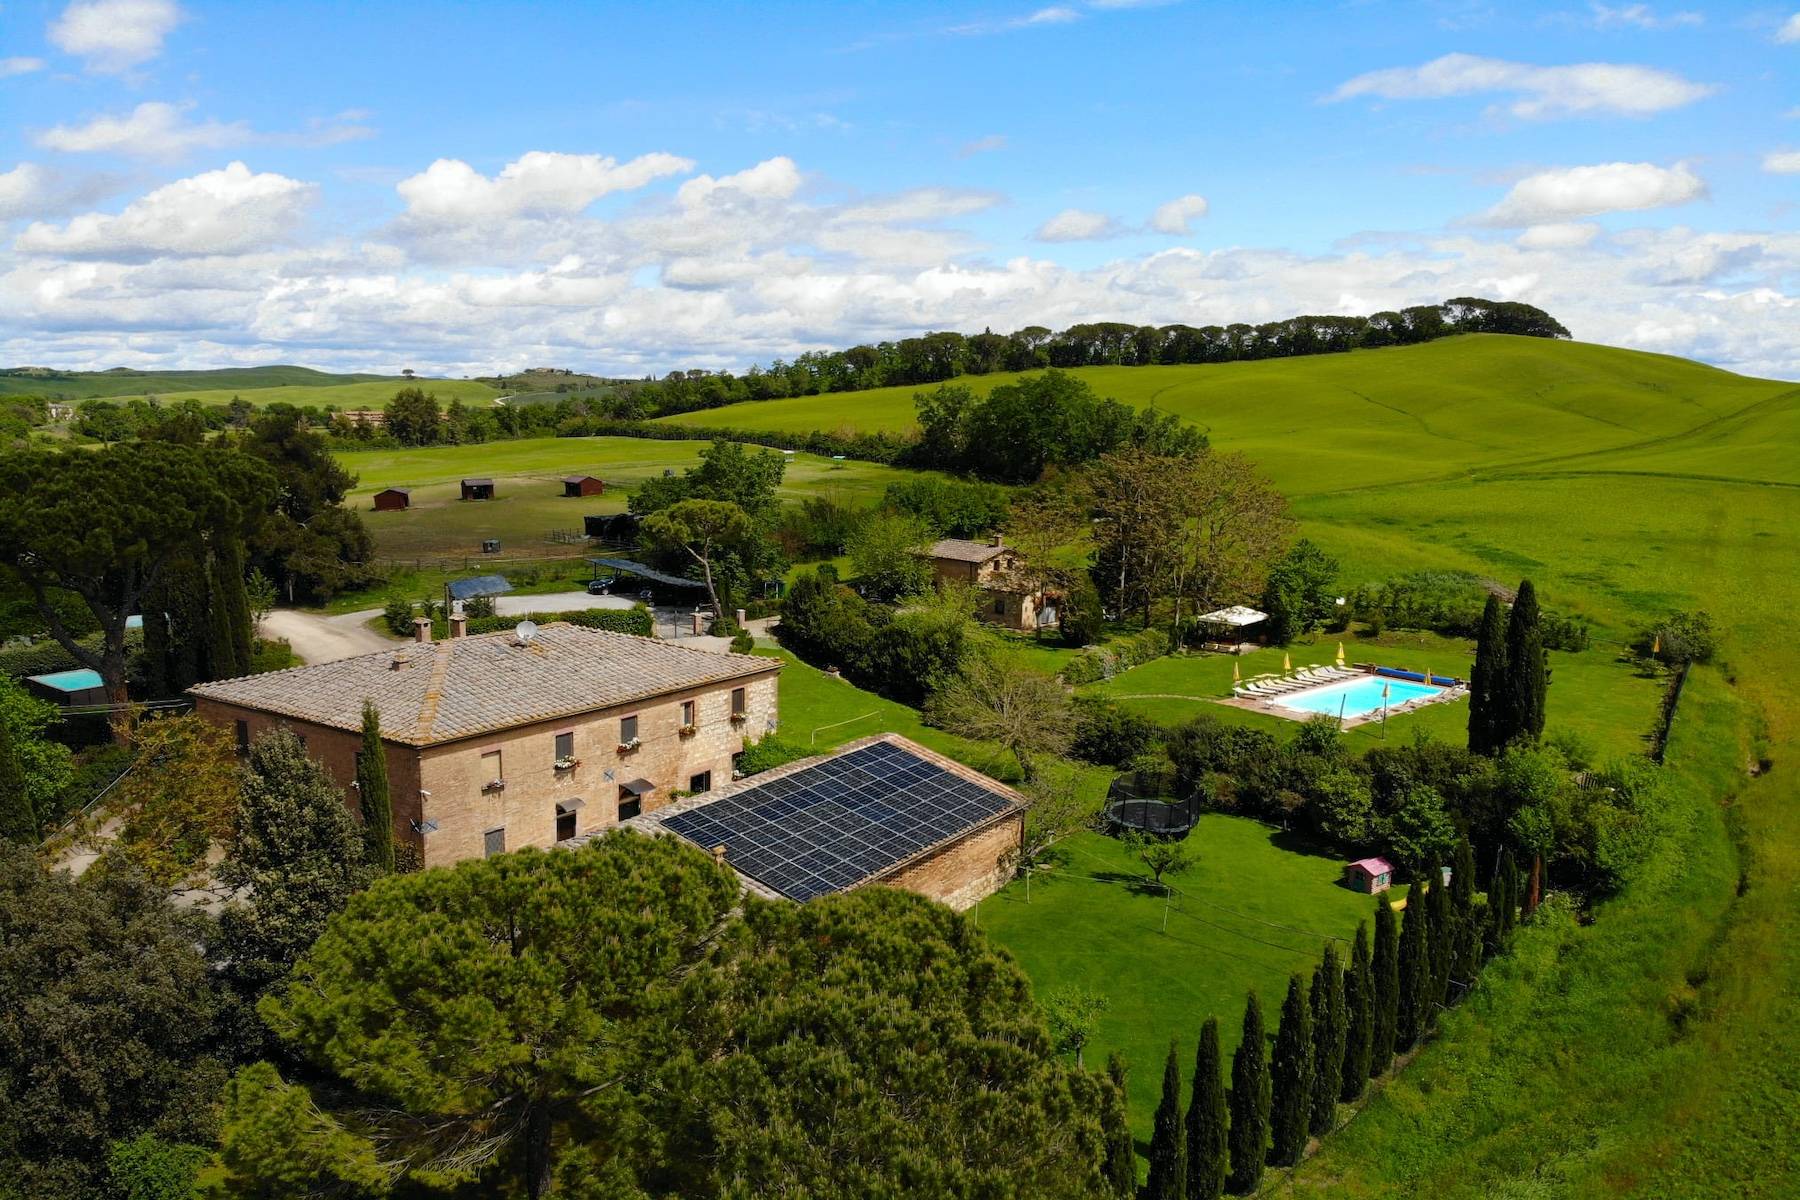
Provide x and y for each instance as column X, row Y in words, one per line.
column 369, row 394
column 529, row 500
column 1651, row 1052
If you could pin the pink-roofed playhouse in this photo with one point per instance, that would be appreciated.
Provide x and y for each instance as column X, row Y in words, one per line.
column 1369, row 875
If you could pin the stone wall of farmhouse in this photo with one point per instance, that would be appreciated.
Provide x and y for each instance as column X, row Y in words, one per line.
column 965, row 871
column 335, row 750
column 456, row 774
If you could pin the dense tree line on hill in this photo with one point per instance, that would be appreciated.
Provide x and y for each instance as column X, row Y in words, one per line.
column 938, row 357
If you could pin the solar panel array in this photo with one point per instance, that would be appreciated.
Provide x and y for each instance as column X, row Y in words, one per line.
column 827, row 828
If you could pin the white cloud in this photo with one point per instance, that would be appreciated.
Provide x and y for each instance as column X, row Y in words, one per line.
column 20, row 65
column 154, row 129
column 1569, row 192
column 983, row 145
column 229, row 211
column 1782, row 162
column 538, row 182
column 1582, row 89
column 772, row 179
column 31, row 190
column 1077, row 225
column 1561, row 236
column 1176, row 216
column 759, row 268
column 1056, row 14
column 1790, row 30
column 114, row 35
column 1642, row 16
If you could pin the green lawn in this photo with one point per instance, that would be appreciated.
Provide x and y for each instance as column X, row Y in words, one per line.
column 228, row 380
column 1608, row 702
column 529, row 500
column 1650, row 1052
column 1256, row 908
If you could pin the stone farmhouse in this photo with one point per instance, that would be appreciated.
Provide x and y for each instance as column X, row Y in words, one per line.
column 1011, row 599
column 496, row 742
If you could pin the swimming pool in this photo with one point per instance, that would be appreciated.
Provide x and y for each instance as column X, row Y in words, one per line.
column 1357, row 697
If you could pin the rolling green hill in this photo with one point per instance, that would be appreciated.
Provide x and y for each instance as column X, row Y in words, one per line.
column 1369, row 417
column 1651, row 1052
column 259, row 385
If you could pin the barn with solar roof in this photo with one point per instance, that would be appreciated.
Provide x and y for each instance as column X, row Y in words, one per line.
column 883, row 810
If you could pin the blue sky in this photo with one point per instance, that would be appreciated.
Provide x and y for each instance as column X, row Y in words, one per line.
column 469, row 188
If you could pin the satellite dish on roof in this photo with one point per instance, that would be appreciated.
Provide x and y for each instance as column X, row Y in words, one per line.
column 526, row 630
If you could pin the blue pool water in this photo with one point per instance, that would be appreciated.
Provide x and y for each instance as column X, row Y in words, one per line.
column 1355, row 697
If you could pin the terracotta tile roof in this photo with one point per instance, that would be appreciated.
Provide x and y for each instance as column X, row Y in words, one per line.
column 959, row 550
column 442, row 691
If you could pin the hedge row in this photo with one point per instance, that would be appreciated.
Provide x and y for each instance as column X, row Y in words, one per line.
column 45, row 656
column 1103, row 662
column 635, row 620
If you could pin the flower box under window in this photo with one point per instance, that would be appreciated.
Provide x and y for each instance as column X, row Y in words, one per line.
column 688, row 730
column 567, row 764
column 494, row 785
column 628, row 747
column 738, row 718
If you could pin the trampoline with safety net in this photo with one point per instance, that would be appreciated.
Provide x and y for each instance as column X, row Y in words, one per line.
column 1137, row 803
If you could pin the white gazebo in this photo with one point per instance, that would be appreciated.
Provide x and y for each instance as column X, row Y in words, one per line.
column 1225, row 627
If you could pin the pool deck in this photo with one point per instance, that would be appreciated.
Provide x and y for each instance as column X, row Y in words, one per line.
column 1270, row 706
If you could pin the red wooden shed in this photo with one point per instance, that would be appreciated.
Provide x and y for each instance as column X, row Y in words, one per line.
column 393, row 499
column 478, row 489
column 583, row 485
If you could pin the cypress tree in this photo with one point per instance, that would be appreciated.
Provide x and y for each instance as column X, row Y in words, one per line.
column 372, row 791
column 1207, row 1150
column 1507, row 913
column 1413, row 1013
column 1168, row 1140
column 1468, row 928
column 1291, row 1078
column 1487, row 681
column 1444, row 936
column 1249, row 1101
column 228, row 613
column 18, row 819
column 1384, row 989
column 1359, row 1017
column 1329, row 1034
column 1121, row 1151
column 1526, row 670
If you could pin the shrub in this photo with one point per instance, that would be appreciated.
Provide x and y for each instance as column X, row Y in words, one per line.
column 772, row 751
column 1103, row 662
column 634, row 620
column 148, row 1168
column 1683, row 637
column 743, row 643
column 397, row 613
column 1110, row 736
column 1082, row 620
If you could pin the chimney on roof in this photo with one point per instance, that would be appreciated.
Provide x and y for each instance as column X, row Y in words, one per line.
column 421, row 629
column 719, row 854
column 998, row 540
column 459, row 620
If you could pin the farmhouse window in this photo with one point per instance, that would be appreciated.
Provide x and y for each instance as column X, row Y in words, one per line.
column 739, row 702
column 565, row 746
column 243, row 736
column 687, row 712
column 701, row 782
column 494, row 842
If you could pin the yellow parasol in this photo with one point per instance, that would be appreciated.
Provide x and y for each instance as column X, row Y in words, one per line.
column 1287, row 663
column 1340, row 654
column 1236, row 675
column 1656, row 645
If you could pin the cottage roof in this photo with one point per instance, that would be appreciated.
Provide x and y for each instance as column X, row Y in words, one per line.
column 439, row 692
column 478, row 481
column 404, row 491
column 580, row 478
column 961, row 550
column 1374, row 866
